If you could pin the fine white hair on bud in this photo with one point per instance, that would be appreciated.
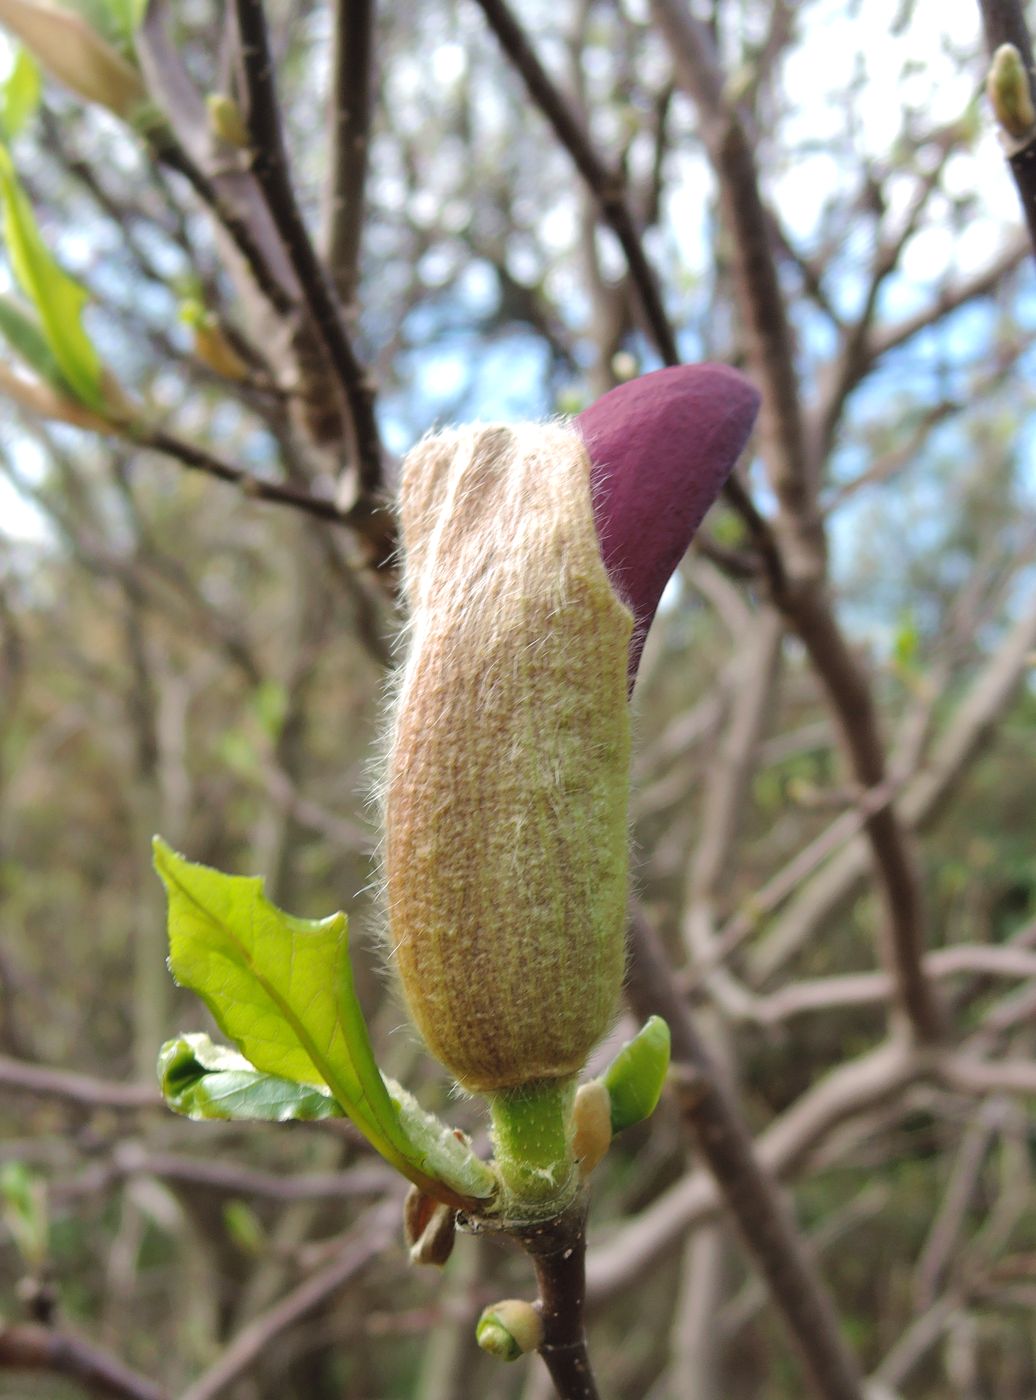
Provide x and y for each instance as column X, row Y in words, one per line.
column 507, row 784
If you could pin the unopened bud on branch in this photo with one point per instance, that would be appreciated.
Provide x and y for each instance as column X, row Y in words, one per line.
column 509, row 1329
column 535, row 558
column 1010, row 94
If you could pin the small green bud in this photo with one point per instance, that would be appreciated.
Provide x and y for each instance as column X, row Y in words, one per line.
column 509, row 1329
column 1010, row 94
column 211, row 344
column 226, row 121
column 634, row 1079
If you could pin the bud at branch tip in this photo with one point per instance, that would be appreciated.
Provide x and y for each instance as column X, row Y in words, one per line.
column 1010, row 94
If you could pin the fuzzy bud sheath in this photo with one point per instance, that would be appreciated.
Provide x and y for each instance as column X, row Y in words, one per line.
column 535, row 557
column 508, row 774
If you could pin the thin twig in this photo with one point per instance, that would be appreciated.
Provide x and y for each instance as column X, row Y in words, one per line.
column 605, row 185
column 853, row 361
column 130, row 1159
column 200, row 459
column 348, row 142
column 28, row 1347
column 743, row 924
column 949, row 1221
column 75, row 1088
column 271, row 169
column 770, row 343
column 948, row 299
column 368, row 518
column 184, row 143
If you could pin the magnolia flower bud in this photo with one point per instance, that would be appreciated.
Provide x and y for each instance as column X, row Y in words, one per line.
column 534, row 560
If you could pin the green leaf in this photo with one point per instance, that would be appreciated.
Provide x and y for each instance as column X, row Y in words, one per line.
column 23, row 1201
column 59, row 300
column 269, row 700
column 203, row 1080
column 23, row 334
column 281, row 989
column 906, row 645
column 635, row 1077
column 20, row 94
column 238, row 752
column 244, row 1227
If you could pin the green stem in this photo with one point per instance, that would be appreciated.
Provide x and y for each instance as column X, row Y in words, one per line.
column 532, row 1135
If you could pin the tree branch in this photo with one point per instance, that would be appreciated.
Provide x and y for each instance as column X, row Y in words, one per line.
column 975, row 1076
column 130, row 1159
column 607, row 188
column 349, row 120
column 923, row 801
column 890, row 337
column 557, row 1249
column 1004, row 23
column 819, row 994
column 898, row 878
column 184, row 145
column 28, row 1347
column 80, row 1089
column 853, row 359
column 791, row 1139
column 259, row 488
column 770, row 344
column 757, row 1208
column 789, row 879
column 800, row 591
column 605, row 185
column 368, row 518
column 271, row 169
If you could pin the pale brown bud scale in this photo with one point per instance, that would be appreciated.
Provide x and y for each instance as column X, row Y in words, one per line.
column 592, row 1125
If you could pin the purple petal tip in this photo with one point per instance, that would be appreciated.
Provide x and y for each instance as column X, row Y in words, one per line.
column 661, row 448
